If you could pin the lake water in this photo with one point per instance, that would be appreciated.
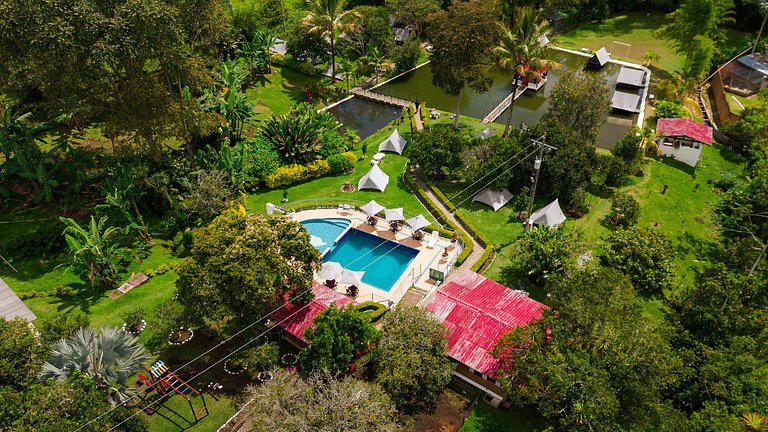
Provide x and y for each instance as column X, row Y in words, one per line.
column 364, row 116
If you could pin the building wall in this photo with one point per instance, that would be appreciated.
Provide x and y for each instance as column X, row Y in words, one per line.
column 481, row 382
column 687, row 155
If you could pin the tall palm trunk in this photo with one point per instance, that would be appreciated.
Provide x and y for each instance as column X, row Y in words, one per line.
column 508, row 123
column 456, row 114
column 333, row 58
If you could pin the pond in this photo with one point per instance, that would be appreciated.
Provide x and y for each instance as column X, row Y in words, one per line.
column 364, row 116
column 529, row 108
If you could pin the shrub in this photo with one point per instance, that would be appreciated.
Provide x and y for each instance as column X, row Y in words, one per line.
column 262, row 357
column 333, row 143
column 299, row 135
column 407, row 54
column 289, row 174
column 133, row 317
column 374, row 311
column 625, row 210
column 666, row 109
column 629, row 150
column 642, row 254
column 162, row 269
column 342, row 162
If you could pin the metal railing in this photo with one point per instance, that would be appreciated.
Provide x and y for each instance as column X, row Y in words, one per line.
column 397, row 94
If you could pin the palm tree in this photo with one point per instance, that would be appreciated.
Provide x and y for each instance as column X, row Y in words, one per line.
column 521, row 51
column 92, row 250
column 233, row 104
column 328, row 19
column 108, row 356
column 257, row 50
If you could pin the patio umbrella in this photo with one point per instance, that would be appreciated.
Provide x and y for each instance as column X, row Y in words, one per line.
column 330, row 271
column 372, row 208
column 352, row 277
column 417, row 222
column 395, row 214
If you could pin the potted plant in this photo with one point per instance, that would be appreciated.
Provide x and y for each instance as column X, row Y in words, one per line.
column 134, row 321
column 236, row 364
column 285, row 196
column 263, row 357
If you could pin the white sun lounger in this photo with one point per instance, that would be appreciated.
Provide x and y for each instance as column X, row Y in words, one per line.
column 433, row 239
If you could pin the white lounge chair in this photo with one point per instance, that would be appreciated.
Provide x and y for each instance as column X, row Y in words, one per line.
column 433, row 239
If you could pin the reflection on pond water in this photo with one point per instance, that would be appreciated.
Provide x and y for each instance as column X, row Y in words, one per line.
column 364, row 116
column 528, row 109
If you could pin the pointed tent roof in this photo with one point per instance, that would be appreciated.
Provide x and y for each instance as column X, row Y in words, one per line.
column 495, row 199
column 374, row 179
column 395, row 143
column 280, row 47
column 11, row 305
column 549, row 216
column 486, row 133
column 600, row 58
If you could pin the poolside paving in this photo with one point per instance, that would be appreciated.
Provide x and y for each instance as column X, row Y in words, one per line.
column 417, row 273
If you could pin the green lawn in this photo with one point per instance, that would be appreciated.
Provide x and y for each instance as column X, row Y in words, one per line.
column 277, row 92
column 396, row 194
column 636, row 29
column 485, row 418
column 746, row 102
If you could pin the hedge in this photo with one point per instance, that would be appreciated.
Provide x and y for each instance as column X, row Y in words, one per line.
column 441, row 218
column 342, row 162
column 288, row 61
column 378, row 310
column 293, row 173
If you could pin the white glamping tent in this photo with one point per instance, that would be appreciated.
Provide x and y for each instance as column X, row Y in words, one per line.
column 395, row 143
column 494, row 199
column 374, row 179
column 548, row 216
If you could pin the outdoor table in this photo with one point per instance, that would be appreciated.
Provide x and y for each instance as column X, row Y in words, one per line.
column 378, row 156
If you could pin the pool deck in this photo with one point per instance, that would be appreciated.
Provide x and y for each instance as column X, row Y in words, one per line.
column 417, row 273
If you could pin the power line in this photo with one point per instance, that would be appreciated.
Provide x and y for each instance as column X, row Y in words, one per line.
column 490, row 172
column 208, row 368
column 197, row 358
column 497, row 177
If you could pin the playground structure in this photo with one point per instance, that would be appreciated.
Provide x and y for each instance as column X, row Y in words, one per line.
column 163, row 383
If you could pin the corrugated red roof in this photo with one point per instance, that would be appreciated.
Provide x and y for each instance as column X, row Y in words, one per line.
column 296, row 319
column 684, row 127
column 476, row 312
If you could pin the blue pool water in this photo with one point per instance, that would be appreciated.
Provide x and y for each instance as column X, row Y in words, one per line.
column 383, row 261
column 323, row 232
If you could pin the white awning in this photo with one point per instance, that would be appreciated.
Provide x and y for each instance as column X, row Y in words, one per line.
column 495, row 199
column 374, row 179
column 548, row 216
column 330, row 270
column 372, row 207
column 395, row 214
column 486, row 133
column 352, row 277
column 417, row 222
column 395, row 143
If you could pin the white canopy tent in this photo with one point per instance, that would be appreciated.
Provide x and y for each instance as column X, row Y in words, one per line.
column 374, row 179
column 395, row 143
column 271, row 208
column 372, row 207
column 485, row 133
column 494, row 199
column 395, row 214
column 417, row 222
column 548, row 216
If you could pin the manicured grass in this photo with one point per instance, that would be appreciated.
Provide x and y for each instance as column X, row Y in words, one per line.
column 396, row 194
column 747, row 102
column 485, row 418
column 636, row 29
column 277, row 92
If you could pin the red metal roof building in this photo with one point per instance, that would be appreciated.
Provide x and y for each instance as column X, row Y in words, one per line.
column 477, row 311
column 296, row 319
column 684, row 127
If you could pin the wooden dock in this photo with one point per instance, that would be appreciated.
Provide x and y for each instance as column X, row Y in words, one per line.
column 496, row 112
column 378, row 97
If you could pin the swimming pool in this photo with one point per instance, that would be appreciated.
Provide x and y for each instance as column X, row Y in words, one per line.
column 323, row 232
column 383, row 261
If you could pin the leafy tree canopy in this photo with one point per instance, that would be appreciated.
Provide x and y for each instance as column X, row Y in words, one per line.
column 645, row 255
column 411, row 358
column 21, row 356
column 579, row 103
column 340, row 336
column 241, row 262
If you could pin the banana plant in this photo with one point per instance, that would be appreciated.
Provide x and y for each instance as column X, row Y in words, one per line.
column 93, row 251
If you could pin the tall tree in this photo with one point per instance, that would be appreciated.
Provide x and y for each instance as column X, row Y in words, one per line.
column 645, row 255
column 340, row 336
column 579, row 103
column 462, row 38
column 109, row 356
column 21, row 355
column 594, row 362
column 411, row 362
column 694, row 30
column 328, row 19
column 124, row 62
column 413, row 13
column 240, row 262
column 321, row 403
column 521, row 51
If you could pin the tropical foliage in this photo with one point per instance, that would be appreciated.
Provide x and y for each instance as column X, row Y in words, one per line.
column 93, row 251
column 299, row 135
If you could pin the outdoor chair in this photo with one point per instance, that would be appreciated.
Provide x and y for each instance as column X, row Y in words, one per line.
column 352, row 291
column 433, row 239
column 330, row 283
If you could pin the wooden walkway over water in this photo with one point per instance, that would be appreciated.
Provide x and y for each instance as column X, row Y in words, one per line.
column 496, row 112
column 378, row 97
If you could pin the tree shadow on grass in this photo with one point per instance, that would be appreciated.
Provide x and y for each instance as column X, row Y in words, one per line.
column 702, row 249
column 83, row 299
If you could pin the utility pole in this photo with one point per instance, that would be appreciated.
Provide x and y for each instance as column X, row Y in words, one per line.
column 763, row 6
column 537, row 170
